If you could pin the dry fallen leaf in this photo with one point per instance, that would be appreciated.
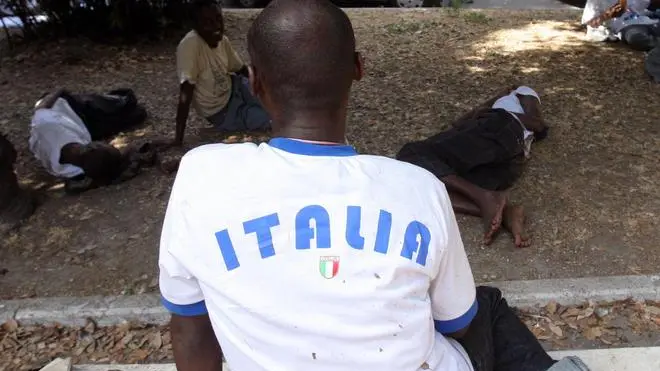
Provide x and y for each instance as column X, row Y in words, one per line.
column 592, row 333
column 556, row 330
column 655, row 311
column 586, row 314
column 551, row 308
column 10, row 326
column 156, row 340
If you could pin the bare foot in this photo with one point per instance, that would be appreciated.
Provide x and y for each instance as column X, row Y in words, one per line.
column 514, row 222
column 493, row 211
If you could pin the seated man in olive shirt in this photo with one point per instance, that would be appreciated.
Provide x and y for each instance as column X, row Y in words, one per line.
column 213, row 77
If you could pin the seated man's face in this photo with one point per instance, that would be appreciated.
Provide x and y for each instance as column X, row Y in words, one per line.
column 210, row 25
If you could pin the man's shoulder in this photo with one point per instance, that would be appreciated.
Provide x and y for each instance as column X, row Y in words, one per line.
column 404, row 171
column 190, row 40
column 213, row 152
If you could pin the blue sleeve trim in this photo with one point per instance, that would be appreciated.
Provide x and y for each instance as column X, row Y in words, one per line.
column 457, row 324
column 189, row 310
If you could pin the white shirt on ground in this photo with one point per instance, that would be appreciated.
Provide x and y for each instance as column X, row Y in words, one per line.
column 312, row 257
column 53, row 128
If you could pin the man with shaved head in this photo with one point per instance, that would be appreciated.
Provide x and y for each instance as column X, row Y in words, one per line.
column 301, row 254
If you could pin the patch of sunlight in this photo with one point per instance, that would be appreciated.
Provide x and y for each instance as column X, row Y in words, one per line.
column 530, row 69
column 476, row 69
column 57, row 235
column 119, row 142
column 56, row 187
column 123, row 139
column 545, row 35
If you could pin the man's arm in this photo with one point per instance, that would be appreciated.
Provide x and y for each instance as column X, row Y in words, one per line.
column 182, row 111
column 235, row 62
column 482, row 107
column 49, row 100
column 453, row 291
column 194, row 344
column 188, row 71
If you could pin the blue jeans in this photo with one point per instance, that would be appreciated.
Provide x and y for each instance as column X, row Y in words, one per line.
column 243, row 112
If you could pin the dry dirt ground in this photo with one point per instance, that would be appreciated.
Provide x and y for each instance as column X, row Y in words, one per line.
column 590, row 188
column 590, row 325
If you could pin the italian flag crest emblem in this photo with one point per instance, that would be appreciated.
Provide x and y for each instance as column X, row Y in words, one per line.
column 329, row 266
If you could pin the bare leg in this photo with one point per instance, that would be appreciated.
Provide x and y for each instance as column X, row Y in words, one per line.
column 513, row 217
column 463, row 205
column 514, row 222
column 490, row 203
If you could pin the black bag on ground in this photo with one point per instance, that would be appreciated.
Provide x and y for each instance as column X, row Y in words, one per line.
column 641, row 37
column 106, row 115
column 652, row 64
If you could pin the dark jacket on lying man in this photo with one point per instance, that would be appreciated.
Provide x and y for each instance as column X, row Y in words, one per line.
column 65, row 131
column 487, row 150
column 488, row 145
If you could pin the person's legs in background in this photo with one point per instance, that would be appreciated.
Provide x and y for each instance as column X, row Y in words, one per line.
column 442, row 155
column 16, row 203
column 243, row 112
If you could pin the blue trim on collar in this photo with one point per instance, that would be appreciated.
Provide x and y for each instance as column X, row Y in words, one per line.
column 312, row 149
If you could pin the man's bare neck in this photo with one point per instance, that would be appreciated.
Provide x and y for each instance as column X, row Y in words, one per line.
column 312, row 129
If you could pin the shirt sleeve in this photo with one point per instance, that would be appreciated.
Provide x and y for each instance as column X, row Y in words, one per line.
column 180, row 291
column 452, row 291
column 187, row 65
column 235, row 62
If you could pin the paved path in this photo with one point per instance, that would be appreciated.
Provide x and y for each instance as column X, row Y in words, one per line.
column 619, row 359
column 519, row 4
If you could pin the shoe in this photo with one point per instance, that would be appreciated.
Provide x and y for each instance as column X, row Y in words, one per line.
column 570, row 363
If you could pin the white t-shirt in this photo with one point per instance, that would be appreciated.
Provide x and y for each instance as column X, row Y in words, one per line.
column 312, row 257
column 52, row 129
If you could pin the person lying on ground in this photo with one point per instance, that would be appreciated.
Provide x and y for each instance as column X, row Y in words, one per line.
column 482, row 155
column 61, row 141
column 305, row 255
column 630, row 21
column 16, row 203
column 213, row 77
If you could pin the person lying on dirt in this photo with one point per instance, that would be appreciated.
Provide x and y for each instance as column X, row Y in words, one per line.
column 482, row 155
column 61, row 141
column 213, row 77
column 305, row 255
column 16, row 203
column 631, row 21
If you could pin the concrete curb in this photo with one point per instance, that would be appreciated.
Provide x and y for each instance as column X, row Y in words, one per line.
column 107, row 311
column 578, row 290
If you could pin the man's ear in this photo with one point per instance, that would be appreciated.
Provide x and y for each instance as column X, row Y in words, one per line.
column 359, row 66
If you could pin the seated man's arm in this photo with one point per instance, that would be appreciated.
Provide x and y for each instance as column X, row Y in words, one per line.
column 187, row 70
column 452, row 291
column 183, row 110
column 194, row 343
column 236, row 64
